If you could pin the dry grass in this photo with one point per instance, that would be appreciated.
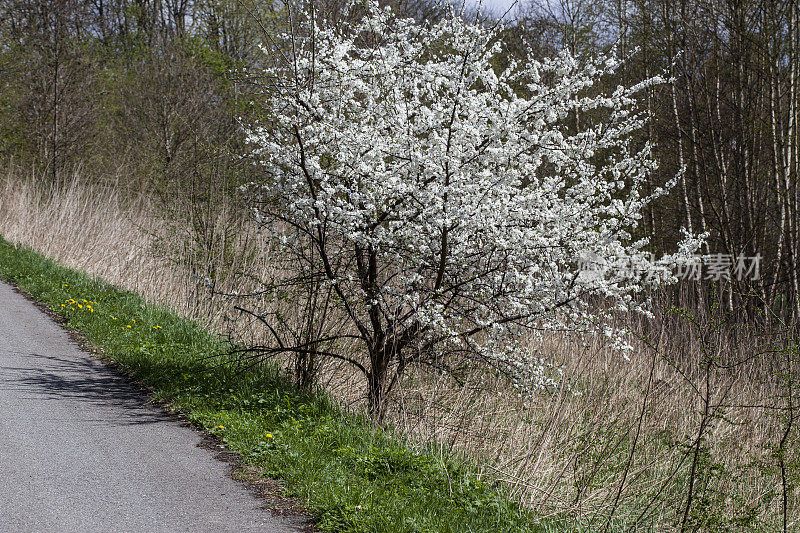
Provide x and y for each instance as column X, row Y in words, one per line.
column 566, row 453
column 617, row 440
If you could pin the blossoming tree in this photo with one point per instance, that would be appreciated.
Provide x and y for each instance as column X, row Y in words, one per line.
column 442, row 203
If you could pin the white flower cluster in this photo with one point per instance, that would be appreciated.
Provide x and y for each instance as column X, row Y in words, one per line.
column 449, row 197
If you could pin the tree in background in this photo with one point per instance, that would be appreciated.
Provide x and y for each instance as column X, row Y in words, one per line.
column 728, row 116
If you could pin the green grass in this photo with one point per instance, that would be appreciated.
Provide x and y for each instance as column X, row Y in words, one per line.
column 351, row 476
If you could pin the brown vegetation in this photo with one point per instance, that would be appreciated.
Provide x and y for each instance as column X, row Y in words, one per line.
column 620, row 438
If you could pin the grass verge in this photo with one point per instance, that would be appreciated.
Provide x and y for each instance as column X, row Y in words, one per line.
column 351, row 476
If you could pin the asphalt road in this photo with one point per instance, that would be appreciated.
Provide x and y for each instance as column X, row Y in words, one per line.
column 80, row 450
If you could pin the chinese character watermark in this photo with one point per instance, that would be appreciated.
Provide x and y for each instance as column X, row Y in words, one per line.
column 713, row 267
column 727, row 266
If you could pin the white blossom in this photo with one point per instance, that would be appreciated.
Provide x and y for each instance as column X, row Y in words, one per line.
column 451, row 198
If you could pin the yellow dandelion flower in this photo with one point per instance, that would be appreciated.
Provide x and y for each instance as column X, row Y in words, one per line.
column 269, row 435
column 62, row 305
column 128, row 326
column 221, row 427
column 80, row 306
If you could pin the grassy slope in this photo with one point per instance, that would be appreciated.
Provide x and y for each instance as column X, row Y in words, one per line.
column 351, row 476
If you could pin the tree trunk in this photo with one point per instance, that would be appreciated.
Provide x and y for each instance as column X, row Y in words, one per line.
column 377, row 380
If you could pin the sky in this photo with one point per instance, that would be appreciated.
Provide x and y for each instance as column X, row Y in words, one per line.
column 498, row 7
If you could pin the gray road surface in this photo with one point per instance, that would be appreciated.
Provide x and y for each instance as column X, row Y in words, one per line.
column 79, row 450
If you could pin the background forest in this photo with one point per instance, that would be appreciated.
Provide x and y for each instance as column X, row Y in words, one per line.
column 123, row 151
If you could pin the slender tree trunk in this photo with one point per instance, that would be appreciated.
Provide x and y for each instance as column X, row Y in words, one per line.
column 776, row 168
column 56, row 99
column 695, row 138
column 791, row 156
column 676, row 117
